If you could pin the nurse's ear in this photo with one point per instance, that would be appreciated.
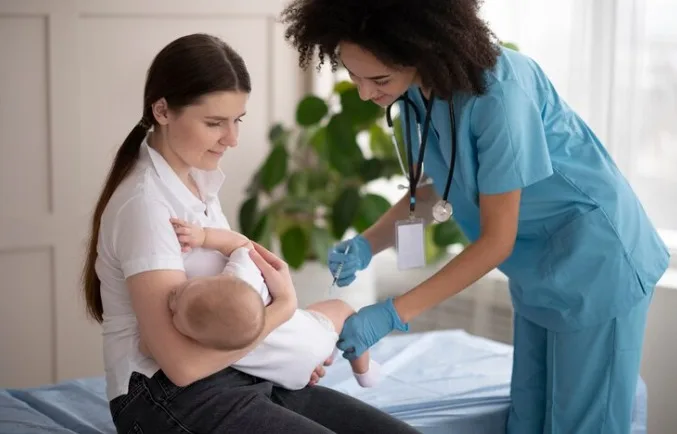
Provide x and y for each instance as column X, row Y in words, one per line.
column 161, row 111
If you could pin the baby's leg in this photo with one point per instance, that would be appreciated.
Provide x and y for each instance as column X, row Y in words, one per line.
column 338, row 311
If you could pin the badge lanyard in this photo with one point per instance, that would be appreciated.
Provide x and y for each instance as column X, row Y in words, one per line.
column 410, row 233
column 415, row 175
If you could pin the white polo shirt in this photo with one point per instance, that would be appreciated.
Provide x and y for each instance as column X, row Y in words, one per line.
column 136, row 236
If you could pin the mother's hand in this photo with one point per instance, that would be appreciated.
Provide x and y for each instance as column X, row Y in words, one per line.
column 368, row 326
column 276, row 275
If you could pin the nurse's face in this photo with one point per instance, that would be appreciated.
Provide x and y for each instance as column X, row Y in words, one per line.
column 375, row 81
column 197, row 136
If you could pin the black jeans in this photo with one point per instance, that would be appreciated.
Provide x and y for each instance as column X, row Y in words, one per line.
column 230, row 401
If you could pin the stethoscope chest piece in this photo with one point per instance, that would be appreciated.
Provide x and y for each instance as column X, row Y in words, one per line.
column 442, row 211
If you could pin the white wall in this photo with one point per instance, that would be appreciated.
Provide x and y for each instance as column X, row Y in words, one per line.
column 71, row 85
column 659, row 358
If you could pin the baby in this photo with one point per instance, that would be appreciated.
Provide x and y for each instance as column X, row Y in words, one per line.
column 226, row 312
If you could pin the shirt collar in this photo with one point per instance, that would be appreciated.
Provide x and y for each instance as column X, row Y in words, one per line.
column 209, row 182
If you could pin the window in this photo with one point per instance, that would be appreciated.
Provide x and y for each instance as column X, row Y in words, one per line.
column 615, row 62
column 654, row 163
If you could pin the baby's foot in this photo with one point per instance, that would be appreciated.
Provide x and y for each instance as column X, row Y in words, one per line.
column 333, row 355
column 370, row 378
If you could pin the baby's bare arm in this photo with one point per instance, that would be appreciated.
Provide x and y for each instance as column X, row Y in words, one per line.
column 224, row 240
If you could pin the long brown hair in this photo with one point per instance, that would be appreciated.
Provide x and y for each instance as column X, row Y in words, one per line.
column 182, row 72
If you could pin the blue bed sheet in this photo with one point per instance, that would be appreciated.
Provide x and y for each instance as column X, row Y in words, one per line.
column 439, row 382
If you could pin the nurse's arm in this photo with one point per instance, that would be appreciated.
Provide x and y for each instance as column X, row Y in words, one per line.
column 182, row 359
column 381, row 235
column 498, row 218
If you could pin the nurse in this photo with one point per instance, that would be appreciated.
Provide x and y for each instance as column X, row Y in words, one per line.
column 530, row 185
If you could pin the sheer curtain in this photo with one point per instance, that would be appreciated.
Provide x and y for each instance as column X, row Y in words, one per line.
column 615, row 62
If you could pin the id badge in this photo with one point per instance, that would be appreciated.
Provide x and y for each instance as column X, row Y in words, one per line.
column 410, row 236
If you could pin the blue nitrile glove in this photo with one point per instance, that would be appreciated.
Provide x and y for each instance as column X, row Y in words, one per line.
column 368, row 326
column 357, row 259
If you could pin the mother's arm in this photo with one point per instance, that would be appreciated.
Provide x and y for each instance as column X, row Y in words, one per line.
column 142, row 239
column 182, row 359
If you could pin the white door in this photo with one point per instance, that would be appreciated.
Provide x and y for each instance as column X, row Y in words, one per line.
column 71, row 85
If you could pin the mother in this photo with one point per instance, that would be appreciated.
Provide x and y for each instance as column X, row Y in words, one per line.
column 195, row 97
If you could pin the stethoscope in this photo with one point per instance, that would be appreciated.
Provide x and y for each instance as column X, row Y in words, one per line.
column 442, row 210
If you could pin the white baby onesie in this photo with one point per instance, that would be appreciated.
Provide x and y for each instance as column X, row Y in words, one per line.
column 241, row 265
column 290, row 353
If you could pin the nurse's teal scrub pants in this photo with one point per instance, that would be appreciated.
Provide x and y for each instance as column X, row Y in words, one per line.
column 576, row 382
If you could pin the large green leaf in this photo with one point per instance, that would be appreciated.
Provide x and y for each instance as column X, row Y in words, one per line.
column 247, row 216
column 361, row 113
column 294, row 244
column 297, row 184
column 254, row 184
column 380, row 142
column 319, row 142
column 371, row 169
column 298, row 207
column 343, row 86
column 391, row 167
column 311, row 110
column 344, row 153
column 399, row 133
column 278, row 135
column 433, row 252
column 372, row 207
column 317, row 179
column 321, row 240
column 262, row 232
column 344, row 211
column 274, row 169
column 448, row 233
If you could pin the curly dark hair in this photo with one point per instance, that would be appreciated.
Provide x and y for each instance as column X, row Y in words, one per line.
column 445, row 40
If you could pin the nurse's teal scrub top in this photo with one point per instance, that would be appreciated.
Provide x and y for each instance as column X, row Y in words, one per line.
column 586, row 250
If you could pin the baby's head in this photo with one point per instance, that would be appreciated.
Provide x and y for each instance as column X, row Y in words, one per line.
column 222, row 312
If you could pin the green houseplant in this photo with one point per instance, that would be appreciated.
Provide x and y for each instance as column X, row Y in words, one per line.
column 310, row 189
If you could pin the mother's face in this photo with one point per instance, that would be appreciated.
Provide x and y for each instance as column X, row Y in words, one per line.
column 199, row 134
column 375, row 80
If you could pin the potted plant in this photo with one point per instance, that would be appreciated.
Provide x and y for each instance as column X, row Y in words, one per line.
column 311, row 189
